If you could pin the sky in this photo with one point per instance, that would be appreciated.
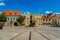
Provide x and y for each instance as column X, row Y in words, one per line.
column 33, row 6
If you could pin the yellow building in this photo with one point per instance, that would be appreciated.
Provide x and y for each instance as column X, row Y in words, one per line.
column 47, row 20
column 35, row 17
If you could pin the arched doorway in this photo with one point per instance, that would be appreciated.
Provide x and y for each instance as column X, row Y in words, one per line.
column 15, row 23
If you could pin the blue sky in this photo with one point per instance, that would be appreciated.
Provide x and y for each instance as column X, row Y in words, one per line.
column 34, row 6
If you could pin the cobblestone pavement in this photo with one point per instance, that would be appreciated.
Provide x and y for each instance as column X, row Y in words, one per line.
column 8, row 32
column 30, row 33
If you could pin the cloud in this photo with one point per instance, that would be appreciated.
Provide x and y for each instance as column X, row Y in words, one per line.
column 1, row 0
column 56, row 13
column 2, row 4
column 23, row 14
column 48, row 12
column 28, row 12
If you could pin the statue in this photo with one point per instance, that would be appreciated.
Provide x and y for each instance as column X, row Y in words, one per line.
column 31, row 22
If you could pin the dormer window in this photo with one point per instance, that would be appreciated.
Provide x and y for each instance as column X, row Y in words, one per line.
column 9, row 13
column 15, row 13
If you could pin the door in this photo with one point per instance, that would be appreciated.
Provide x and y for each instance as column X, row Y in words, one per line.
column 15, row 24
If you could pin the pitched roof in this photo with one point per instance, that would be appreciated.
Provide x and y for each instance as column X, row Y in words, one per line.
column 12, row 13
column 50, row 17
column 57, row 15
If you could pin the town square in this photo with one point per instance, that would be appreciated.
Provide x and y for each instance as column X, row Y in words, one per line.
column 29, row 19
column 37, row 33
column 32, row 26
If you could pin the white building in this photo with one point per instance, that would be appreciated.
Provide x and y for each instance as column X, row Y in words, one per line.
column 12, row 16
column 56, row 20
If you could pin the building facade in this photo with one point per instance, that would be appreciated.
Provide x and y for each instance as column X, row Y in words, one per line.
column 47, row 20
column 12, row 16
column 56, row 20
column 36, row 18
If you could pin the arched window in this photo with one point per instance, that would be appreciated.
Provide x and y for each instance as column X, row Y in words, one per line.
column 43, row 19
column 49, row 19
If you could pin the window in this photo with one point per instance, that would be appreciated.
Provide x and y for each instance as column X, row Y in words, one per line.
column 8, row 18
column 14, row 18
column 43, row 19
column 10, row 13
column 49, row 19
column 46, row 19
column 15, row 13
column 11, row 19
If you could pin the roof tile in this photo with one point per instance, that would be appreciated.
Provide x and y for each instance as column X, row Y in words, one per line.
column 12, row 13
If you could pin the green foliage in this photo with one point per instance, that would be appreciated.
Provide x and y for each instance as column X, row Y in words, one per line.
column 20, row 19
column 3, row 18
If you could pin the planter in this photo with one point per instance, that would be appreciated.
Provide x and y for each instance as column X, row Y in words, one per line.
column 1, row 25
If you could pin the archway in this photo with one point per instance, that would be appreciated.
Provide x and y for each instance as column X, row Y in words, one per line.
column 15, row 23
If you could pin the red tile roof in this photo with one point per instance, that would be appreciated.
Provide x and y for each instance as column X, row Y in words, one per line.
column 57, row 15
column 12, row 13
column 50, row 17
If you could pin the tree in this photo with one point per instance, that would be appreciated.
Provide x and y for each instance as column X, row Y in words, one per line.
column 3, row 18
column 20, row 19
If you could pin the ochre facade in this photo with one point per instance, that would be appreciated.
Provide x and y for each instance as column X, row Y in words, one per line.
column 35, row 17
